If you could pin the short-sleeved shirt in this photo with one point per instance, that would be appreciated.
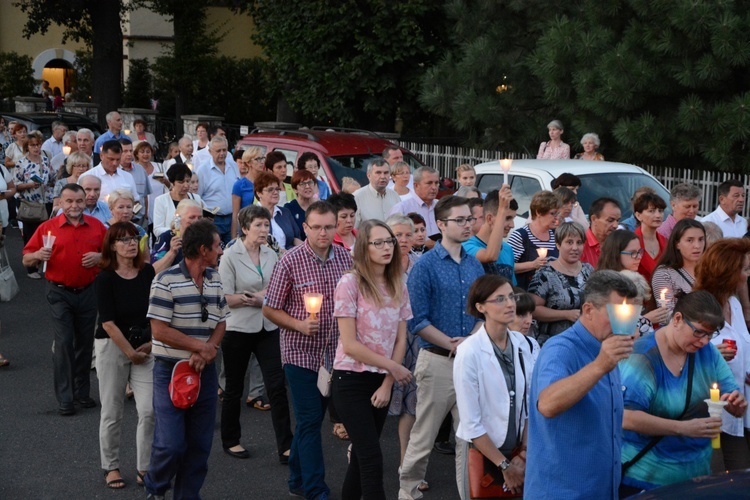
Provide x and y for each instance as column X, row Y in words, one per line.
column 673, row 281
column 176, row 300
column 25, row 169
column 416, row 204
column 245, row 190
column 650, row 387
column 575, row 454
column 591, row 249
column 111, row 292
column 504, row 264
column 162, row 246
column 377, row 325
column 215, row 186
column 525, row 245
column 298, row 272
column 373, row 205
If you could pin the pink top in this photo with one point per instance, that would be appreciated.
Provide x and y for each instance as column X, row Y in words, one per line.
column 547, row 152
column 376, row 326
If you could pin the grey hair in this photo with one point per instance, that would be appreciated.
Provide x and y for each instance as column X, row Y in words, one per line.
column 713, row 232
column 602, row 283
column 110, row 115
column 216, row 140
column 685, row 191
column 187, row 203
column 251, row 212
column 82, row 178
column 57, row 124
column 464, row 191
column 418, row 173
column 398, row 166
column 592, row 136
column 77, row 157
column 119, row 193
column 398, row 219
column 644, row 291
column 567, row 229
column 555, row 124
column 377, row 162
column 70, row 136
column 85, row 131
column 184, row 140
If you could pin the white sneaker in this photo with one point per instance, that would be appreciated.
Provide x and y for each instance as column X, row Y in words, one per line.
column 34, row 276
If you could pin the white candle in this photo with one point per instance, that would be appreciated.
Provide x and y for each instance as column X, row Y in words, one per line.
column 505, row 165
column 66, row 150
column 542, row 252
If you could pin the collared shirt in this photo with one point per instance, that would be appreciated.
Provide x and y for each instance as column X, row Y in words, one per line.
column 667, row 226
column 731, row 228
column 438, row 288
column 175, row 299
column 100, row 211
column 503, row 266
column 140, row 177
column 577, row 453
column 162, row 246
column 298, row 272
column 71, row 244
column 106, row 136
column 628, row 224
column 415, row 204
column 215, row 186
column 592, row 249
column 52, row 147
column 119, row 180
column 373, row 205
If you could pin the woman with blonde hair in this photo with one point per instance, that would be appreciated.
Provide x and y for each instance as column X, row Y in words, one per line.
column 401, row 173
column 243, row 191
column 76, row 164
column 121, row 203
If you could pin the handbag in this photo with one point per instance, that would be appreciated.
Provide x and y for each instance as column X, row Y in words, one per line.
column 324, row 376
column 138, row 336
column 31, row 211
column 8, row 283
column 486, row 480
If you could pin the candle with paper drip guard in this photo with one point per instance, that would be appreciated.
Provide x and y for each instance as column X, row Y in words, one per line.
column 542, row 252
column 313, row 303
column 66, row 150
column 623, row 317
column 505, row 165
column 126, row 131
column 715, row 407
column 48, row 240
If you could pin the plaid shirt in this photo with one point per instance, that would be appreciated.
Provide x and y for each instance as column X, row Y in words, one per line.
column 298, row 272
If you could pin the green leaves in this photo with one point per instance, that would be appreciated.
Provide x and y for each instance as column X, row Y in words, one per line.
column 16, row 75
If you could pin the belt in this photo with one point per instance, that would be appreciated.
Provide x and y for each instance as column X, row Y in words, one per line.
column 69, row 288
column 167, row 362
column 438, row 350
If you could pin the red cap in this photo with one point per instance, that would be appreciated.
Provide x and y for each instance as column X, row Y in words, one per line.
column 185, row 385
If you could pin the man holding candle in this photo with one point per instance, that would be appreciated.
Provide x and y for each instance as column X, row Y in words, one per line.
column 575, row 421
column 605, row 215
column 71, row 270
column 314, row 267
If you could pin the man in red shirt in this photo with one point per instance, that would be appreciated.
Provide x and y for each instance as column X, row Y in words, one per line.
column 605, row 215
column 71, row 269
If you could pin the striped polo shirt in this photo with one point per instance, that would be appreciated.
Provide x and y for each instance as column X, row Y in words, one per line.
column 175, row 299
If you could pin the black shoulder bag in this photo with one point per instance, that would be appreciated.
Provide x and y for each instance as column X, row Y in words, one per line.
column 656, row 439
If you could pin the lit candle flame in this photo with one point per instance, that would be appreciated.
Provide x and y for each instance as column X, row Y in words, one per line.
column 663, row 294
column 66, row 150
column 127, row 131
column 542, row 252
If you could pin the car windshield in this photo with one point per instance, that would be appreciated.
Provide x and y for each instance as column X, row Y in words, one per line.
column 355, row 166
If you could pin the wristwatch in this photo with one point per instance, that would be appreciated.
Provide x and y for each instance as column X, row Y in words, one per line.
column 504, row 465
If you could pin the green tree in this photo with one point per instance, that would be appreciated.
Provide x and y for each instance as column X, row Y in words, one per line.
column 138, row 91
column 16, row 75
column 84, row 69
column 349, row 62
column 665, row 82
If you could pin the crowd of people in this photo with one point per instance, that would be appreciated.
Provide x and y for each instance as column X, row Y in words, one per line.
column 384, row 301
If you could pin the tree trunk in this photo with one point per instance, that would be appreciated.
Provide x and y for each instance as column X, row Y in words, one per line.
column 106, row 77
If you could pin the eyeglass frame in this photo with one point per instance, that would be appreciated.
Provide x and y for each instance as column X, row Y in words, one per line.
column 700, row 334
column 513, row 297
column 638, row 252
column 379, row 244
column 458, row 220
column 128, row 239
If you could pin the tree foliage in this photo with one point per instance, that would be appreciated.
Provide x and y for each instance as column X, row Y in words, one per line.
column 138, row 89
column 16, row 75
column 349, row 62
column 83, row 77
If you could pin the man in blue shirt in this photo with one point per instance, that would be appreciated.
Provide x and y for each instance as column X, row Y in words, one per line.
column 438, row 288
column 217, row 178
column 113, row 133
column 92, row 185
column 576, row 404
column 487, row 246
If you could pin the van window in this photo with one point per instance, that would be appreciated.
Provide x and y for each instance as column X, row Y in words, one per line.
column 523, row 189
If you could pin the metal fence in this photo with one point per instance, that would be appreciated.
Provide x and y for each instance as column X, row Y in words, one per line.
column 445, row 159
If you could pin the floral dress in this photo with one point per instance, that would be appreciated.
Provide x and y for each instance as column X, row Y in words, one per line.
column 23, row 172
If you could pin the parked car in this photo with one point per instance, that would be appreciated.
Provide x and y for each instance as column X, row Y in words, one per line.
column 42, row 121
column 598, row 178
column 342, row 152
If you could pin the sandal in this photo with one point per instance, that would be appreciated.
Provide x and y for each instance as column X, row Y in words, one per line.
column 259, row 404
column 141, row 477
column 340, row 431
column 423, row 486
column 114, row 484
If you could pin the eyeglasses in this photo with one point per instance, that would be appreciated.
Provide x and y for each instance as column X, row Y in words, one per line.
column 635, row 254
column 500, row 299
column 318, row 229
column 391, row 242
column 204, row 309
column 271, row 190
column 461, row 221
column 700, row 333
column 128, row 239
column 259, row 158
column 309, row 183
column 86, row 165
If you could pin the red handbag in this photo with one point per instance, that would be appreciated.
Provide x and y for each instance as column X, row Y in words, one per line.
column 485, row 478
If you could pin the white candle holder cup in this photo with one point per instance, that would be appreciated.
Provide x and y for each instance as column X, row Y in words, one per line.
column 715, row 409
column 623, row 318
column 48, row 241
column 313, row 303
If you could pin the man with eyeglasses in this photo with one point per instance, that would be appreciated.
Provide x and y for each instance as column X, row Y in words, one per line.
column 71, row 269
column 308, row 340
column 438, row 289
column 375, row 200
column 188, row 318
column 605, row 215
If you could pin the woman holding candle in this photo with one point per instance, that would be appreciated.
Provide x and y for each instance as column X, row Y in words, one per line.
column 557, row 287
column 123, row 348
column 245, row 271
column 75, row 164
column 665, row 381
column 538, row 234
column 492, row 376
column 723, row 269
column 676, row 269
column 372, row 307
column 283, row 228
column 346, row 207
column 648, row 209
column 555, row 148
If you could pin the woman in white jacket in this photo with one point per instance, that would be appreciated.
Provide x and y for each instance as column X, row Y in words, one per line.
column 492, row 377
column 165, row 206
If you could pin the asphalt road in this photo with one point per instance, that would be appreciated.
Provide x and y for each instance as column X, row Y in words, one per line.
column 46, row 456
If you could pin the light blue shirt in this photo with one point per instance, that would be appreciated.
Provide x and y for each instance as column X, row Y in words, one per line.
column 438, row 289
column 575, row 455
column 503, row 266
column 100, row 212
column 215, row 186
column 106, row 136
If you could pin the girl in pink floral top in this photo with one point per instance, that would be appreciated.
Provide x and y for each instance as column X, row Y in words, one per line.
column 372, row 307
column 555, row 148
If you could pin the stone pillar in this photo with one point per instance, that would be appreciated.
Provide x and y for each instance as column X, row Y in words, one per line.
column 30, row 104
column 129, row 115
column 189, row 122
column 89, row 109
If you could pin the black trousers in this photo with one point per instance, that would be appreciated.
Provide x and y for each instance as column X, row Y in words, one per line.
column 236, row 349
column 351, row 392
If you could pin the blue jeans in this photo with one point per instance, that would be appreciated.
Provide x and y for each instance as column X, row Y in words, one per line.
column 306, row 466
column 224, row 224
column 182, row 438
